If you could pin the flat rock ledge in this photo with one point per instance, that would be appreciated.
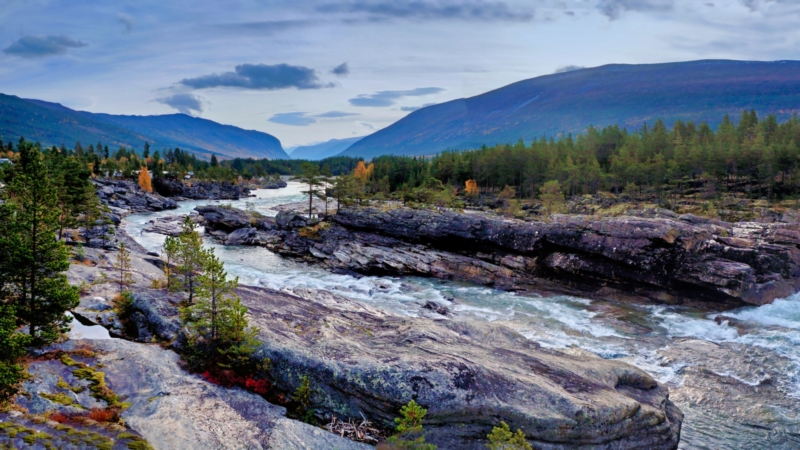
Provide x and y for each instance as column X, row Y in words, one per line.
column 469, row 375
column 670, row 259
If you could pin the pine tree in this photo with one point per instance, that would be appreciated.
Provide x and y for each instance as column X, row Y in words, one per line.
column 33, row 260
column 123, row 268
column 170, row 250
column 310, row 177
column 214, row 290
column 190, row 256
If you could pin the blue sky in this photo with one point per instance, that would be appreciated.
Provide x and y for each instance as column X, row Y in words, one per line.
column 312, row 70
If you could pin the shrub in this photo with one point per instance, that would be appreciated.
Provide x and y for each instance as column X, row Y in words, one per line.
column 123, row 305
column 104, row 415
column 501, row 438
column 409, row 429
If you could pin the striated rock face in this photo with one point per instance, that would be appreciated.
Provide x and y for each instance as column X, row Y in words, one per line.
column 125, row 197
column 200, row 190
column 469, row 375
column 667, row 259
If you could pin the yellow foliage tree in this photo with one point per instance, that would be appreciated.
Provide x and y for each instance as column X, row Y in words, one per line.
column 362, row 172
column 472, row 188
column 145, row 181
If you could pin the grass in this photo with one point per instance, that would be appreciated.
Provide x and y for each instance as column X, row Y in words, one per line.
column 98, row 386
column 60, row 398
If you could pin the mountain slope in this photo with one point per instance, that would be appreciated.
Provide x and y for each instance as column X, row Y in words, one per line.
column 627, row 95
column 54, row 124
column 324, row 149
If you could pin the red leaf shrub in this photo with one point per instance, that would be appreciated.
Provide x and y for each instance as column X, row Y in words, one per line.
column 260, row 387
column 227, row 378
column 59, row 417
column 103, row 415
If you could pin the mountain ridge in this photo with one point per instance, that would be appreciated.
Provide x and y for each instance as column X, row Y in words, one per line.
column 616, row 94
column 55, row 124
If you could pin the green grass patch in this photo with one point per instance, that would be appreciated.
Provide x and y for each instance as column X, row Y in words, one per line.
column 60, row 398
column 98, row 386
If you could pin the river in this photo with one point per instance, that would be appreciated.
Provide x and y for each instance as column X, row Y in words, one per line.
column 758, row 360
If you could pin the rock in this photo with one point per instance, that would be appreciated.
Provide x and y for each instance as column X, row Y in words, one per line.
column 241, row 236
column 435, row 307
column 125, row 196
column 651, row 257
column 223, row 218
column 173, row 409
column 290, row 220
column 469, row 375
column 200, row 190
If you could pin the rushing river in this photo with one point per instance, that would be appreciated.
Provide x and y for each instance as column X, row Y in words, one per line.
column 765, row 347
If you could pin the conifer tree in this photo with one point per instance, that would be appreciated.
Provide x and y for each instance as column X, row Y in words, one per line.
column 123, row 268
column 190, row 256
column 33, row 260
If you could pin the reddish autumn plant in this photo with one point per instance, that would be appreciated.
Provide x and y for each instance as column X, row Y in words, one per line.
column 59, row 417
column 103, row 415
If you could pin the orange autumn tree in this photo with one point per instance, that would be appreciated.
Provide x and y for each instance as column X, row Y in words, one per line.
column 145, row 181
column 472, row 188
column 362, row 172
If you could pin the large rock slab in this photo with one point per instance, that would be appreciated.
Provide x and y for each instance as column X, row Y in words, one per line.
column 174, row 409
column 470, row 375
column 662, row 258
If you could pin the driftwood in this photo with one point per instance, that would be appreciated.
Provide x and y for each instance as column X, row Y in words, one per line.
column 362, row 431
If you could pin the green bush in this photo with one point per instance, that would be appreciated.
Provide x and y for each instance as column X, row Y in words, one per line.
column 410, row 434
column 501, row 438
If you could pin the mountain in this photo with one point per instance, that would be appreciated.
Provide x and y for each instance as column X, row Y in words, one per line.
column 324, row 149
column 625, row 95
column 55, row 124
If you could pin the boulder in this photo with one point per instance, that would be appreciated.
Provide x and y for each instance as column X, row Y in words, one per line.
column 469, row 375
column 225, row 218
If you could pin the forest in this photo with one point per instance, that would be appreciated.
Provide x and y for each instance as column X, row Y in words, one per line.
column 753, row 158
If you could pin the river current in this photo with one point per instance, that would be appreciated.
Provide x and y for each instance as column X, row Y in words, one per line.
column 645, row 336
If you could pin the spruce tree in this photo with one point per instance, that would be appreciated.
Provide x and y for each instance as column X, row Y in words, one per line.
column 190, row 256
column 34, row 261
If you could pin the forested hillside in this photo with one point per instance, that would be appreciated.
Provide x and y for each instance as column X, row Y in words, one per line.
column 751, row 157
column 53, row 124
column 623, row 95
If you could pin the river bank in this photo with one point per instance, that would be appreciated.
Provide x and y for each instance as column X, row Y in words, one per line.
column 738, row 387
column 364, row 361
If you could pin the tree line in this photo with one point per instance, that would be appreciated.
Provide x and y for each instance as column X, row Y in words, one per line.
column 755, row 158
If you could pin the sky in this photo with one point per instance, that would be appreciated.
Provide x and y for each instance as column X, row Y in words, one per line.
column 307, row 71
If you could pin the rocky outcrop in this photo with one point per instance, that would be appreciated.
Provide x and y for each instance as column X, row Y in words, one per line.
column 664, row 258
column 125, row 197
column 166, row 406
column 200, row 190
column 469, row 375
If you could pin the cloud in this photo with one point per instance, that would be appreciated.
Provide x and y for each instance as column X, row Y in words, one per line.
column 266, row 27
column 297, row 119
column 366, row 125
column 568, row 68
column 185, row 103
column 414, row 108
column 302, row 119
column 260, row 76
column 40, row 46
column 127, row 21
column 424, row 9
column 342, row 70
column 614, row 8
column 389, row 98
column 336, row 114
column 752, row 5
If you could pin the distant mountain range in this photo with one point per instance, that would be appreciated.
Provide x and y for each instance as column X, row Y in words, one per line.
column 625, row 95
column 54, row 124
column 323, row 150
